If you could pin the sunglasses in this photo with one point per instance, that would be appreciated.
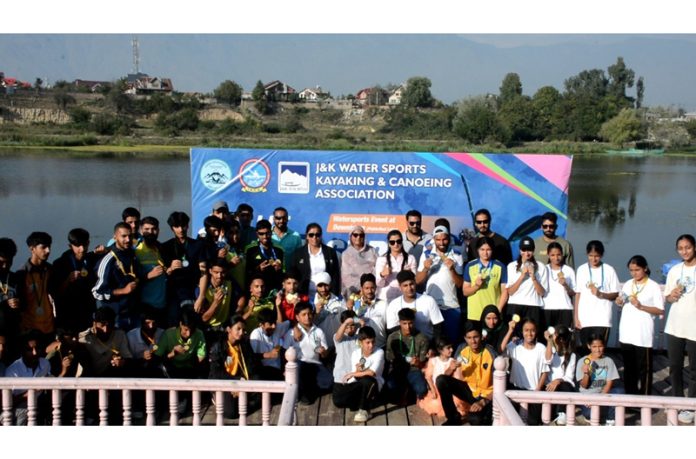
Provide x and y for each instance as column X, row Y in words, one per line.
column 263, row 233
column 358, row 234
column 548, row 226
column 313, row 234
column 396, row 241
column 281, row 217
column 482, row 222
column 416, row 223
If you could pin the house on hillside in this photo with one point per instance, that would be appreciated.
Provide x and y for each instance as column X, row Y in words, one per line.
column 279, row 91
column 143, row 84
column 9, row 85
column 371, row 96
column 395, row 97
column 92, row 86
column 313, row 94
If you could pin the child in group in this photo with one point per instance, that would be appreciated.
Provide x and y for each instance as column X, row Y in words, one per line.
column 596, row 288
column 558, row 302
column 492, row 326
column 528, row 367
column 327, row 306
column 289, row 295
column 345, row 339
column 266, row 342
column 407, row 353
column 561, row 360
column 680, row 329
column 596, row 373
column 257, row 302
column 441, row 364
column 310, row 344
column 640, row 302
column 360, row 387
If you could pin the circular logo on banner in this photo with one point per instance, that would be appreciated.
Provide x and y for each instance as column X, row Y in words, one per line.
column 254, row 175
column 215, row 174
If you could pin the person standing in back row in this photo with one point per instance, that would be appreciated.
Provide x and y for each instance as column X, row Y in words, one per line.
column 549, row 225
column 501, row 247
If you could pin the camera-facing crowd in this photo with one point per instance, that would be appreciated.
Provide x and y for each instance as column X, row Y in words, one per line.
column 420, row 323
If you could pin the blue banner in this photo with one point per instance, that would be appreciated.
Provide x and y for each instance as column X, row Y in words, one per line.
column 340, row 189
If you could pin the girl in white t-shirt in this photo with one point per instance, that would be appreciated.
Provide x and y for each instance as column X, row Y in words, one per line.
column 527, row 283
column 558, row 302
column 561, row 360
column 597, row 287
column 640, row 301
column 528, row 367
column 680, row 328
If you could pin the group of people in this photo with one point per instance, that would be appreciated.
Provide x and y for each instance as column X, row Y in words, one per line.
column 422, row 322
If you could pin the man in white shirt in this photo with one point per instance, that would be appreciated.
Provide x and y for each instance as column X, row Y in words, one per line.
column 29, row 365
column 428, row 316
column 442, row 268
column 266, row 341
column 372, row 310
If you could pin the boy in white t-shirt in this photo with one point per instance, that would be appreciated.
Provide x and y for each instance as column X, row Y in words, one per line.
column 310, row 344
column 357, row 381
column 266, row 342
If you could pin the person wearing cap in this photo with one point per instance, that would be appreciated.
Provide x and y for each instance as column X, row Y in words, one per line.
column 220, row 210
column 501, row 247
column 527, row 284
column 288, row 239
column 441, row 270
column 549, row 224
column 359, row 258
column 327, row 306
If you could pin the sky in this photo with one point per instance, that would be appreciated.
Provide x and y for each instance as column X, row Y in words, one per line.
column 337, row 47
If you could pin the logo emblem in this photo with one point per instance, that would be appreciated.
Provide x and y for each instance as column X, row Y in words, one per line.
column 254, row 175
column 215, row 174
column 293, row 177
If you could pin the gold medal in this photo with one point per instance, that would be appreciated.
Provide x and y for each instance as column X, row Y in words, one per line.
column 186, row 347
column 154, row 347
column 84, row 272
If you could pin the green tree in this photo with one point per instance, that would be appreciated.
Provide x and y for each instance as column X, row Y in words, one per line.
column 545, row 105
column 624, row 127
column 260, row 98
column 228, row 92
column 517, row 115
column 63, row 99
column 640, row 92
column 620, row 79
column 476, row 121
column 80, row 116
column 510, row 89
column 417, row 93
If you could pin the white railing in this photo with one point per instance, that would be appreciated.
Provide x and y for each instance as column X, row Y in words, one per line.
column 174, row 386
column 505, row 414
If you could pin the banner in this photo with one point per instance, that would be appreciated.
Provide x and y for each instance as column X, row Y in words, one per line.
column 340, row 189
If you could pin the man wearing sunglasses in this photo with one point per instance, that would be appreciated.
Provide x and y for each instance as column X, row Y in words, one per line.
column 501, row 247
column 265, row 258
column 414, row 236
column 289, row 240
column 549, row 224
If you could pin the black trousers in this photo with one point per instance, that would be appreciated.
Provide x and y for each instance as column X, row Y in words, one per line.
column 638, row 375
column 448, row 387
column 555, row 317
column 308, row 387
column 675, row 351
column 533, row 409
column 586, row 332
column 358, row 395
column 564, row 386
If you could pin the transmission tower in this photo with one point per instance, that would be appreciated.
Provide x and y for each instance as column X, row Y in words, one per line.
column 136, row 55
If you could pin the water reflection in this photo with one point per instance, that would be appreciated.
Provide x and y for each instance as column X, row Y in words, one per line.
column 622, row 201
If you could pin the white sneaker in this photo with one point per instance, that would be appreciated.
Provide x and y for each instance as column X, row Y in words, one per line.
column 561, row 419
column 361, row 416
column 686, row 417
column 610, row 422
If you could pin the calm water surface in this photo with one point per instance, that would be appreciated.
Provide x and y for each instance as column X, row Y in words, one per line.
column 633, row 205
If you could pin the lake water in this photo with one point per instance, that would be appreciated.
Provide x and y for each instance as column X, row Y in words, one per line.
column 633, row 205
